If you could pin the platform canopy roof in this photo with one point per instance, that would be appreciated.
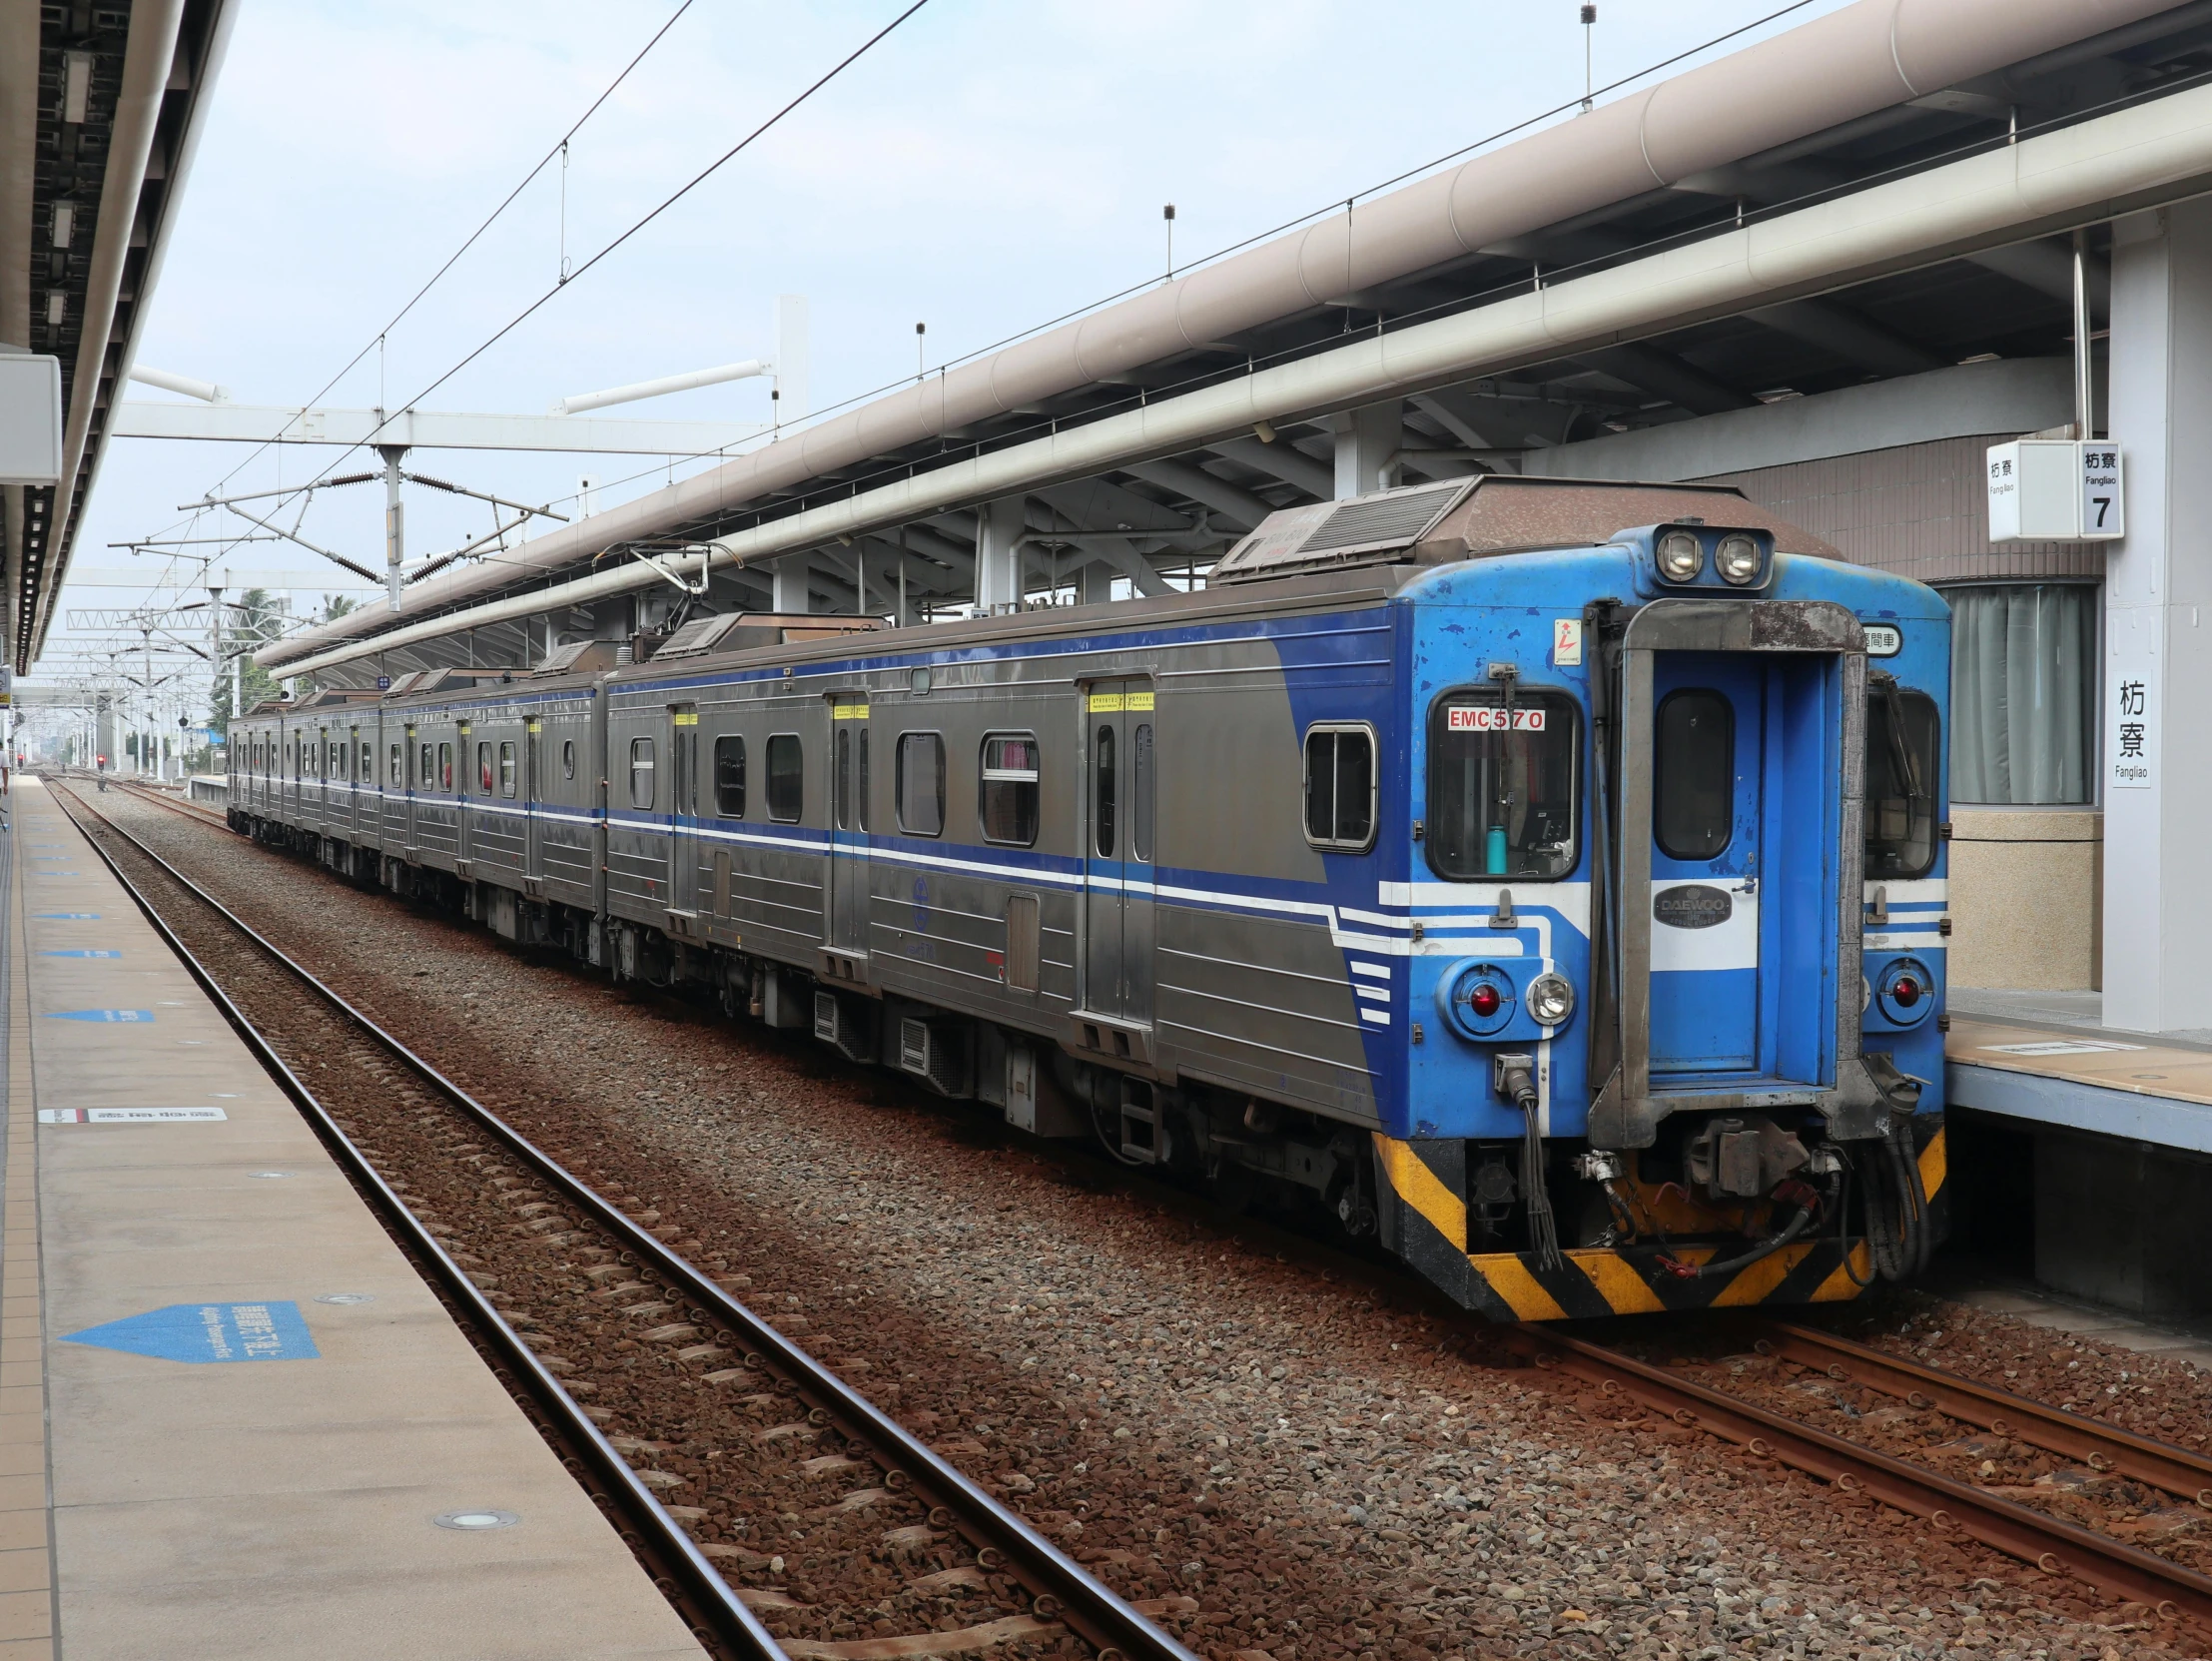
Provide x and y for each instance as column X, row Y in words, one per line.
column 101, row 104
column 1886, row 192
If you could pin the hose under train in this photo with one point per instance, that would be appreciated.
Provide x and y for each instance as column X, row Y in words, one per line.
column 1900, row 1237
column 1809, row 1202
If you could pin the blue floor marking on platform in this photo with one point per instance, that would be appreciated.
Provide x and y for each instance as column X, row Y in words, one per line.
column 65, row 916
column 100, row 1015
column 81, row 952
column 199, row 1332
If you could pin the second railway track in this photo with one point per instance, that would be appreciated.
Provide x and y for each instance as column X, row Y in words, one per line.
column 2055, row 1545
column 535, row 1261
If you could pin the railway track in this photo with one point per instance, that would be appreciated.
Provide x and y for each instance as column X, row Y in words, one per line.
column 825, row 1430
column 2054, row 1545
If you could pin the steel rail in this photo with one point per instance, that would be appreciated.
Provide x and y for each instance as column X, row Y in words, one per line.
column 1064, row 1591
column 2103, row 1447
column 2055, row 1548
column 194, row 811
column 714, row 1613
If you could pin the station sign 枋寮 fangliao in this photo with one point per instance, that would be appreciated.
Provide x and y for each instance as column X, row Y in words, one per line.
column 2057, row 491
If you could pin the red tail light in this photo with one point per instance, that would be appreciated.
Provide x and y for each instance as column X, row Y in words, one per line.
column 1906, row 989
column 1483, row 1000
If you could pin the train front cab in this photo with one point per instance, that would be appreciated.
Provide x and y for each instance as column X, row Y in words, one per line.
column 1749, row 1080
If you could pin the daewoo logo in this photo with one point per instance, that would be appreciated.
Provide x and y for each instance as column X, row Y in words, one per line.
column 1694, row 906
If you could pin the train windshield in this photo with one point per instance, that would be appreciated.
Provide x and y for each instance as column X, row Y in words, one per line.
column 1502, row 788
column 1904, row 751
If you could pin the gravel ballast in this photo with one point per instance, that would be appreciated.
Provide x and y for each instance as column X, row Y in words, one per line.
column 1329, row 1467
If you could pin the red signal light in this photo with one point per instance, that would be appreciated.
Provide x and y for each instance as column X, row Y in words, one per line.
column 1483, row 1000
column 1906, row 989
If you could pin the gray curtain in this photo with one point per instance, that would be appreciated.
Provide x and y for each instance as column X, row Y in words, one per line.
column 2023, row 680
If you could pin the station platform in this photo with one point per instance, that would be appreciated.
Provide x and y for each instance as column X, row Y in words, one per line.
column 2046, row 1058
column 2084, row 1151
column 234, row 1423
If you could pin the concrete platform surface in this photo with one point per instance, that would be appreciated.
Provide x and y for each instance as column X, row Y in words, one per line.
column 2115, row 1083
column 231, row 1414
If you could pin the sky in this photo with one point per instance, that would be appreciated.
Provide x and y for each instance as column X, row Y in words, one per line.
column 989, row 165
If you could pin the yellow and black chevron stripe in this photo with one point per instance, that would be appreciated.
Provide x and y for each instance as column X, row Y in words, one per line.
column 1427, row 1180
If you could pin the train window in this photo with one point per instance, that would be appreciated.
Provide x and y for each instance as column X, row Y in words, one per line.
column 729, row 777
column 483, row 766
column 920, row 784
column 1694, row 775
column 1340, row 787
column 399, row 763
column 1904, row 751
column 1502, row 803
column 1101, row 818
column 641, row 772
column 507, row 768
column 1010, row 795
column 428, row 773
column 841, row 767
column 1140, row 792
column 568, row 758
column 787, row 778
column 445, row 766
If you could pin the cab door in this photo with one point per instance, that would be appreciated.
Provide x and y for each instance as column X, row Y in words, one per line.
column 1709, row 741
column 850, row 842
column 1119, row 772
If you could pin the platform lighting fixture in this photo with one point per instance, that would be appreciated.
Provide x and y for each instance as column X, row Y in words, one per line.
column 76, row 85
column 57, row 306
column 64, row 224
column 1589, row 33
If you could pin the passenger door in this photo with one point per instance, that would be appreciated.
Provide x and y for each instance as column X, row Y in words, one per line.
column 533, row 846
column 849, row 840
column 683, row 807
column 356, row 757
column 1119, row 772
column 1709, row 749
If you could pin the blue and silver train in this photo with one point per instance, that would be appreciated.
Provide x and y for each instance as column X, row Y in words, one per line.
column 1542, row 878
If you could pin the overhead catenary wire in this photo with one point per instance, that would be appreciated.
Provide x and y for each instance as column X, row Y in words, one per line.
column 639, row 224
column 558, row 151
column 1070, row 315
column 1224, row 252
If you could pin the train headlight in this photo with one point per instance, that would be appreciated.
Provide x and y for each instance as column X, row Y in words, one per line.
column 1736, row 559
column 1681, row 557
column 1551, row 999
